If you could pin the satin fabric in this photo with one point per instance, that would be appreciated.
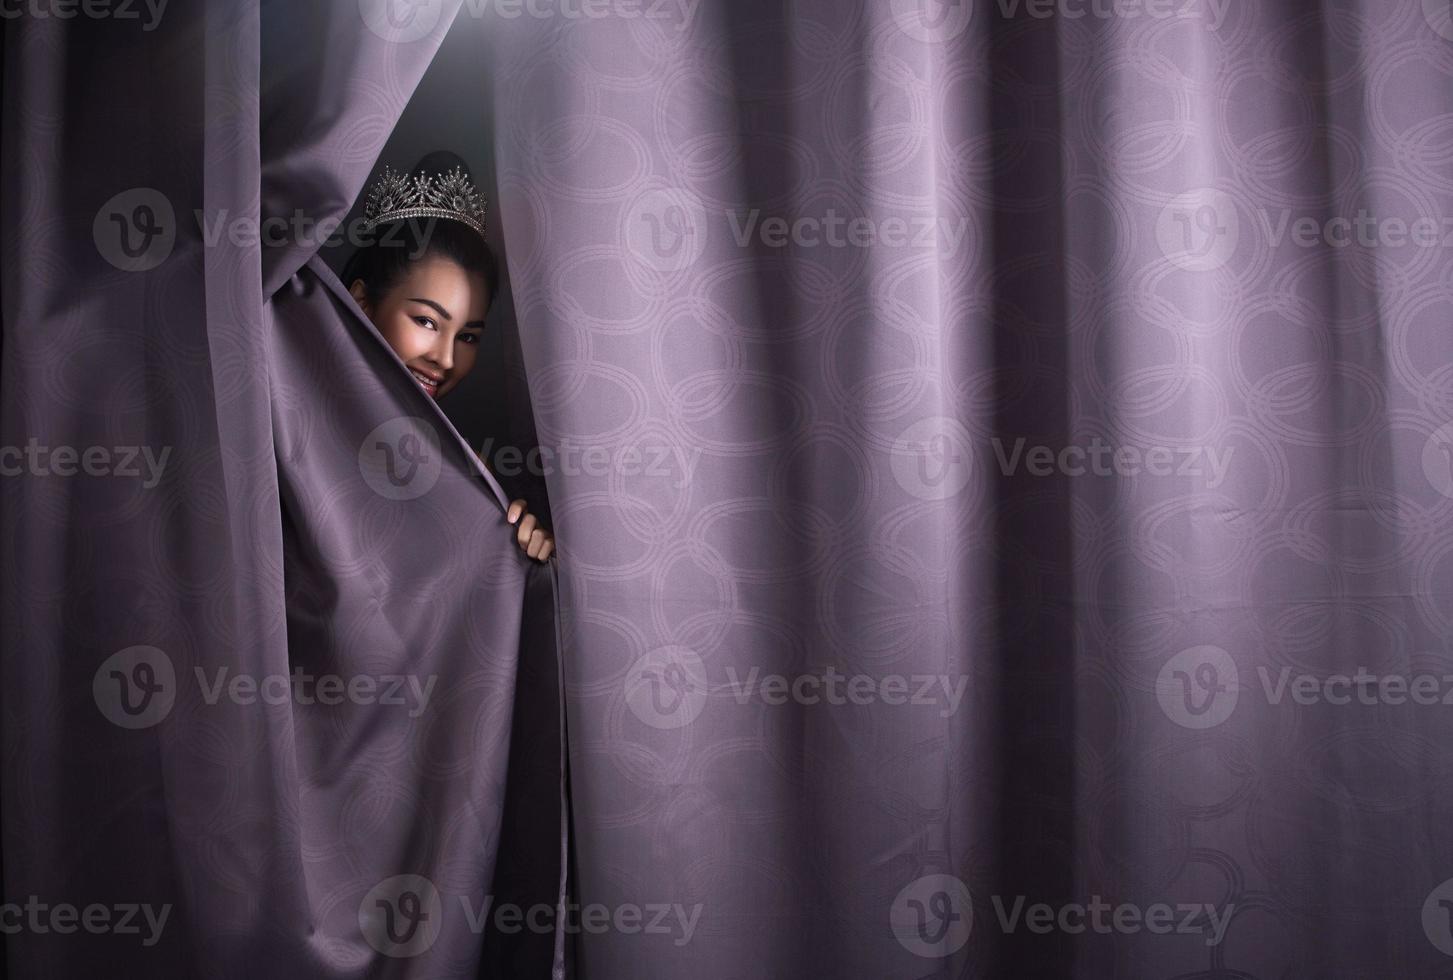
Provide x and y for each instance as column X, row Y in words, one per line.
column 296, row 691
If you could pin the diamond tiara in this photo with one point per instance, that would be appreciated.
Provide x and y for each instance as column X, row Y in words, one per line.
column 399, row 197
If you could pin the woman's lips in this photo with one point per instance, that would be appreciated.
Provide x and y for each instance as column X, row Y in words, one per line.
column 430, row 386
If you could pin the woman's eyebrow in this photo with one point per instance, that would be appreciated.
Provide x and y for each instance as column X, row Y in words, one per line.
column 473, row 325
column 429, row 302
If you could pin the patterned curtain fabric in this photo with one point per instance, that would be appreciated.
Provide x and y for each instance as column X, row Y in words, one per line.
column 1020, row 516
column 278, row 685
column 999, row 449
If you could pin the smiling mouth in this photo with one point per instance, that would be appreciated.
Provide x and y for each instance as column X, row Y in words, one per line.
column 430, row 385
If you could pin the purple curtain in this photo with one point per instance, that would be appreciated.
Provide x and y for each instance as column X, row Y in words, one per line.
column 1016, row 425
column 278, row 686
column 1000, row 453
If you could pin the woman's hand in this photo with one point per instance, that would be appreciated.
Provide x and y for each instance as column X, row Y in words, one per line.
column 534, row 540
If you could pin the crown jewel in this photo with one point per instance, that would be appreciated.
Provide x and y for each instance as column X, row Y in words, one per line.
column 399, row 197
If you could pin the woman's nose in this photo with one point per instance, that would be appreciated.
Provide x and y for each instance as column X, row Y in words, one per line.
column 443, row 352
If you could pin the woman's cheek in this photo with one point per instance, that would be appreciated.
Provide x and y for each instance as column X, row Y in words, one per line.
column 397, row 338
column 464, row 359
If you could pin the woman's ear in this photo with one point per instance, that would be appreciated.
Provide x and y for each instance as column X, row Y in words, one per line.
column 360, row 295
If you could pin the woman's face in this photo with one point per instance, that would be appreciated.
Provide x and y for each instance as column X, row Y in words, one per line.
column 432, row 319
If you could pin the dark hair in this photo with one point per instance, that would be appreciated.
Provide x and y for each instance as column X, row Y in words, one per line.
column 385, row 261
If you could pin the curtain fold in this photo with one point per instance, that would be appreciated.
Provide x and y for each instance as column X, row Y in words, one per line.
column 263, row 619
column 1070, row 365
column 1000, row 454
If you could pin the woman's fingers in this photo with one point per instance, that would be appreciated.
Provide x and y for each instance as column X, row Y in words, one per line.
column 526, row 528
column 533, row 540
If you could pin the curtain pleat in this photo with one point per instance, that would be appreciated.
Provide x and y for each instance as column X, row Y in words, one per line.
column 1063, row 363
column 262, row 616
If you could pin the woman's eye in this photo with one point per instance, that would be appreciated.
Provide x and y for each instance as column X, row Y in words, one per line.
column 469, row 338
column 424, row 321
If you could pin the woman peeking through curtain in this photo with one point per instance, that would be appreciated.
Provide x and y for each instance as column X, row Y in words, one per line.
column 426, row 280
column 348, row 752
